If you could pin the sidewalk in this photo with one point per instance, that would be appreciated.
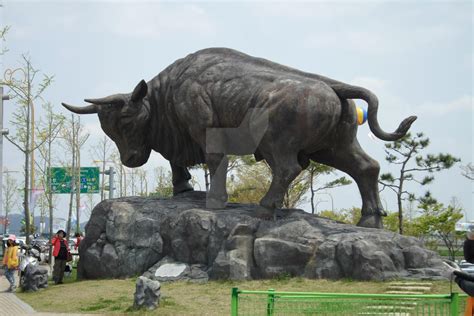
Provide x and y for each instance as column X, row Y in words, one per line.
column 10, row 304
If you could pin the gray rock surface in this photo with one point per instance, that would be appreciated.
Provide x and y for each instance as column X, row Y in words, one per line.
column 130, row 236
column 168, row 269
column 35, row 278
column 147, row 293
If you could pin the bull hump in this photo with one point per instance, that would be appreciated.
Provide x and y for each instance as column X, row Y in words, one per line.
column 221, row 64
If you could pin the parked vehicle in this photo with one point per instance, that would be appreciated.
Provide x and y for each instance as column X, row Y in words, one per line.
column 28, row 255
column 41, row 245
column 466, row 267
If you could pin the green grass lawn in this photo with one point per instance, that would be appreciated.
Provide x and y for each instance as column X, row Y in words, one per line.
column 183, row 298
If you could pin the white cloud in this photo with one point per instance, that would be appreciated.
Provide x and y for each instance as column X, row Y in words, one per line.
column 143, row 20
column 461, row 104
column 371, row 83
column 94, row 129
column 313, row 9
column 151, row 21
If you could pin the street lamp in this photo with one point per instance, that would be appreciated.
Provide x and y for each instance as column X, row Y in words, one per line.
column 110, row 173
column 332, row 200
column 3, row 133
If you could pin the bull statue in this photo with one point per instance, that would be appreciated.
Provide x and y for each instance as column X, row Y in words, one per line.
column 194, row 110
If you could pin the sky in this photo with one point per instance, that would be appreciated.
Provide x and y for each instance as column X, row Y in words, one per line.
column 416, row 56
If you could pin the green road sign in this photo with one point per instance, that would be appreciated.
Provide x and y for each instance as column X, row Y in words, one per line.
column 61, row 180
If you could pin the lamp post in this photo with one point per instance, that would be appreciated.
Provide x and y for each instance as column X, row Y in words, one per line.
column 110, row 173
column 332, row 200
column 9, row 76
column 3, row 132
column 316, row 205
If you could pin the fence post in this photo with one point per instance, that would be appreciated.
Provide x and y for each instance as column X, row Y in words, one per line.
column 454, row 304
column 270, row 302
column 234, row 305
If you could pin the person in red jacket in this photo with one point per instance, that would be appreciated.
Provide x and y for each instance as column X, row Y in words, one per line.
column 60, row 253
column 78, row 240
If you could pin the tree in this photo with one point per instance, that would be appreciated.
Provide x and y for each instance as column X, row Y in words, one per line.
column 337, row 216
column 250, row 182
column 233, row 163
column 23, row 228
column 348, row 216
column 120, row 169
column 401, row 153
column 10, row 196
column 163, row 182
column 440, row 221
column 143, row 181
column 313, row 171
column 294, row 196
column 52, row 124
column 3, row 35
column 468, row 171
column 411, row 226
column 74, row 137
column 23, row 91
column 90, row 203
column 132, row 180
column 102, row 152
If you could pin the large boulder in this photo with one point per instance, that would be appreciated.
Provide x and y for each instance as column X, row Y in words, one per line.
column 128, row 236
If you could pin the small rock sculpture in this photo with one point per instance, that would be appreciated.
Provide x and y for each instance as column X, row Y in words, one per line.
column 147, row 293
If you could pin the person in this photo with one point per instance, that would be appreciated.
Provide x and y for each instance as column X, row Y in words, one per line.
column 463, row 279
column 78, row 240
column 468, row 246
column 10, row 261
column 60, row 254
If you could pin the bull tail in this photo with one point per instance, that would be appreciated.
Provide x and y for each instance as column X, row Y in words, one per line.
column 345, row 91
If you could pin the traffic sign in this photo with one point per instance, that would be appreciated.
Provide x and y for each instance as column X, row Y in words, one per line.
column 62, row 182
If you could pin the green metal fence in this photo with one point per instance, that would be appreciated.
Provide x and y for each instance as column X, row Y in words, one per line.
column 273, row 303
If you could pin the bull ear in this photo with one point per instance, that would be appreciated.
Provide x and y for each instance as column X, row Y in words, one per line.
column 140, row 91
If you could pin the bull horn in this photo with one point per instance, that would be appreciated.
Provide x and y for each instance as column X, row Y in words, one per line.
column 89, row 109
column 111, row 99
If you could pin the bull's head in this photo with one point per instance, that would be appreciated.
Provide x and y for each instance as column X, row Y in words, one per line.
column 125, row 118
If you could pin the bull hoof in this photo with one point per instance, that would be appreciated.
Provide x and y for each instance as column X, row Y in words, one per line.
column 268, row 214
column 213, row 203
column 182, row 187
column 371, row 221
column 264, row 213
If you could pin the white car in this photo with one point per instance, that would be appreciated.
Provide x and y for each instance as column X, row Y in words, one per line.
column 467, row 267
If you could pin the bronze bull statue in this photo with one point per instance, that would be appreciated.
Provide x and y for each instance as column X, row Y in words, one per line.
column 219, row 101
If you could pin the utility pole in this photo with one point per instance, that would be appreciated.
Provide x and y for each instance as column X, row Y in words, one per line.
column 111, row 173
column 3, row 132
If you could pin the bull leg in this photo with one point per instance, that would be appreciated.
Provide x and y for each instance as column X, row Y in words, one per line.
column 365, row 171
column 217, row 195
column 285, row 169
column 217, row 163
column 181, row 177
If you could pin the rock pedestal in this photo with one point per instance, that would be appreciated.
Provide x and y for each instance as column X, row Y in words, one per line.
column 128, row 236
